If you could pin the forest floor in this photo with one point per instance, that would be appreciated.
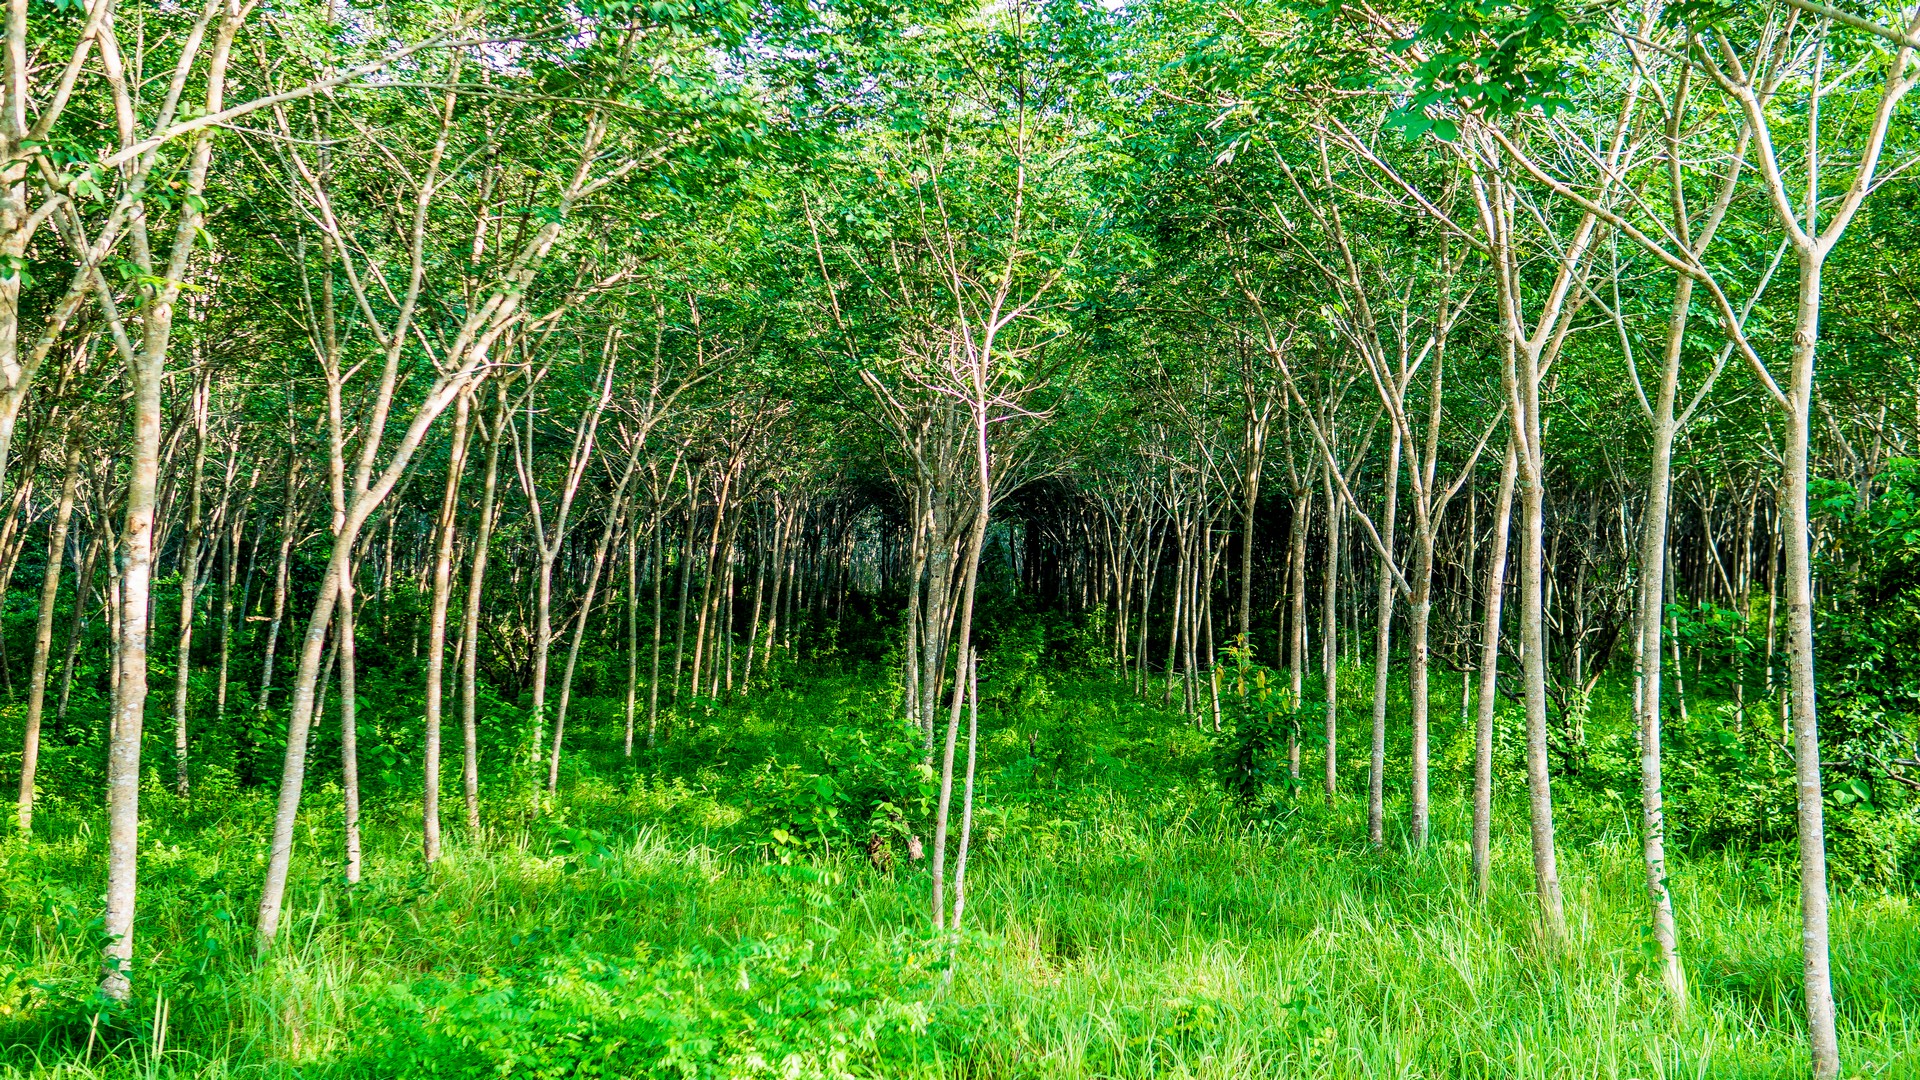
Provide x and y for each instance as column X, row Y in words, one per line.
column 719, row 909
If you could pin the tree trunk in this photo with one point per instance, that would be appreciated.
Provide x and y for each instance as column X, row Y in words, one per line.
column 1382, row 641
column 76, row 625
column 437, row 629
column 759, row 594
column 686, row 581
column 135, row 582
column 470, row 617
column 916, row 575
column 594, row 571
column 1297, row 636
column 633, row 630
column 1419, row 612
column 1490, row 677
column 288, row 523
column 966, row 796
column 1250, row 497
column 653, row 680
column 43, row 633
column 1810, row 817
column 1533, row 645
column 1330, row 634
column 146, row 374
column 975, row 542
column 1653, row 558
column 349, row 723
column 189, row 580
column 711, row 581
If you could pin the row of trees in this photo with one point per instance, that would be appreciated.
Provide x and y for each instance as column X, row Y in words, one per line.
column 474, row 342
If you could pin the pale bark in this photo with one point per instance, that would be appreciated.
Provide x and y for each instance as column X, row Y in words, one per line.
column 966, row 797
column 633, row 629
column 653, row 679
column 437, row 628
column 289, row 523
column 548, row 541
column 1330, row 636
column 686, row 582
column 1496, row 589
column 77, row 624
column 230, row 565
column 1816, row 965
column 189, row 582
column 761, row 550
column 146, row 369
column 1258, row 410
column 615, row 509
column 43, row 634
column 1812, row 241
column 1382, row 642
column 349, row 719
column 470, row 616
column 1297, row 624
column 964, row 639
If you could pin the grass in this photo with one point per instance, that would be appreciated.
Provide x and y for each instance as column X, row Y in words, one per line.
column 1126, row 921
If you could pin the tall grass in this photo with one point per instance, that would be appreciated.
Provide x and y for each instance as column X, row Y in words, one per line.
column 1126, row 921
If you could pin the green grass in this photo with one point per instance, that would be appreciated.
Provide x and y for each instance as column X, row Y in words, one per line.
column 1126, row 921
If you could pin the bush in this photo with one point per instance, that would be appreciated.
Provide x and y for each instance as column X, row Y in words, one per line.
column 776, row 1008
column 1261, row 717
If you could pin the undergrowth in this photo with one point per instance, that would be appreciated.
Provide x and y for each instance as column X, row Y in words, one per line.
column 744, row 901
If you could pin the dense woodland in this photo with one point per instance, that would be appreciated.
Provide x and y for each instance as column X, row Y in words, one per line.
column 724, row 539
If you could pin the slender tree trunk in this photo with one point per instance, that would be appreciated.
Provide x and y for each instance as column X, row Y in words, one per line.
column 966, row 796
column 230, row 565
column 1533, row 645
column 43, row 633
column 1382, row 642
column 146, row 373
column 759, row 594
column 938, row 610
column 288, row 523
column 542, row 641
column 1150, row 552
column 1330, row 635
column 917, row 561
column 437, row 629
column 77, row 625
column 711, row 582
column 653, row 680
column 470, row 617
column 1174, row 616
column 975, row 543
column 189, row 582
column 1297, row 629
column 1211, row 655
column 349, row 721
column 595, row 569
column 724, row 636
column 1250, row 497
column 686, row 581
column 1419, row 613
column 633, row 631
column 1653, row 559
column 782, row 576
column 1490, row 677
column 1810, row 817
column 130, row 680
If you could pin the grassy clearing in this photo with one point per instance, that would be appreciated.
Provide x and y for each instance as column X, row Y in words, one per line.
column 1126, row 921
